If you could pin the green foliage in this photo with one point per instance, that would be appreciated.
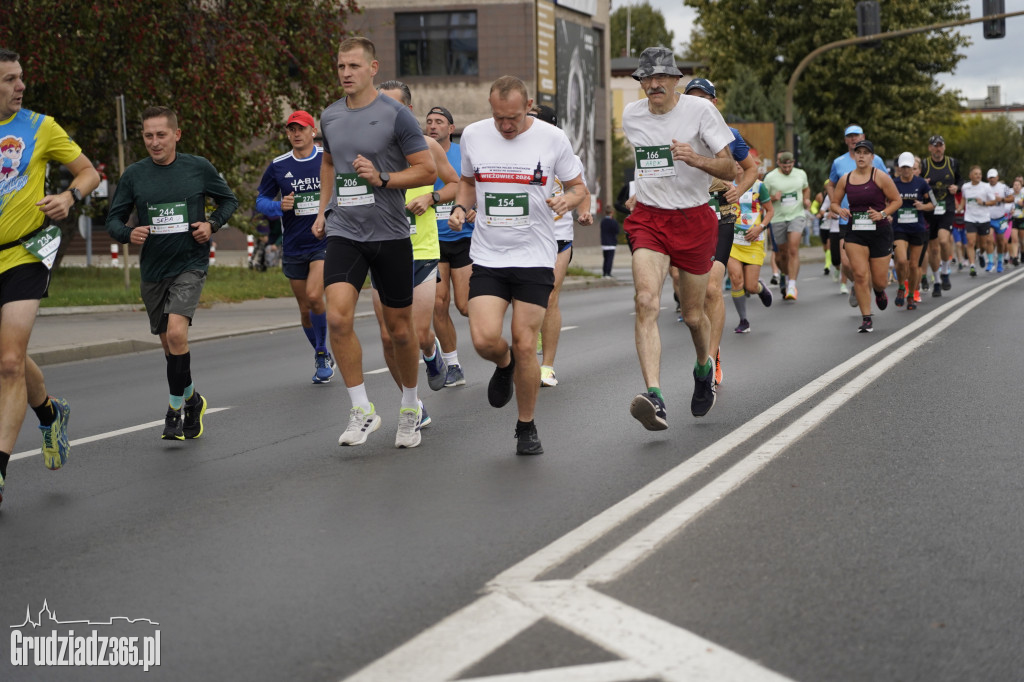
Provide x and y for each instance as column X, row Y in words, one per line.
column 228, row 67
column 890, row 90
column 988, row 142
column 647, row 27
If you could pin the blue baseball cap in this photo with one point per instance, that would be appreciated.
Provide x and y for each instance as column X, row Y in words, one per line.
column 702, row 84
column 853, row 130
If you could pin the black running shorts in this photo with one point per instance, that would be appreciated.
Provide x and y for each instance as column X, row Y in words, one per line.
column 390, row 261
column 529, row 285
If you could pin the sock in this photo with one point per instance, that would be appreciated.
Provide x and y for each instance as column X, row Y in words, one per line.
column 451, row 358
column 703, row 370
column 319, row 331
column 5, row 457
column 308, row 331
column 656, row 390
column 357, row 394
column 179, row 375
column 867, row 318
column 828, row 259
column 45, row 412
column 433, row 352
column 521, row 425
column 409, row 397
column 739, row 300
column 190, row 393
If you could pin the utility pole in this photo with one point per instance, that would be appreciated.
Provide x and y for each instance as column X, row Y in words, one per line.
column 805, row 62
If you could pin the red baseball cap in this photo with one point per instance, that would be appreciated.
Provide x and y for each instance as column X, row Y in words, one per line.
column 303, row 118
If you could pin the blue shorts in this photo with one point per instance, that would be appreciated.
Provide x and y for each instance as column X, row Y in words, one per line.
column 960, row 235
column 297, row 267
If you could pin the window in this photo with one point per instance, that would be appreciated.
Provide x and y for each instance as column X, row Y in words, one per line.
column 437, row 44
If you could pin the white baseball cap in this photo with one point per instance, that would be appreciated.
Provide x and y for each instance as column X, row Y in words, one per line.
column 992, row 173
column 906, row 160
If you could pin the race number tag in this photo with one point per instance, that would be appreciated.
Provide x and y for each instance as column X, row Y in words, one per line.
column 44, row 245
column 861, row 221
column 507, row 210
column 789, row 200
column 307, row 203
column 739, row 234
column 907, row 215
column 353, row 190
column 940, row 208
column 444, row 211
column 411, row 217
column 713, row 203
column 654, row 162
column 168, row 218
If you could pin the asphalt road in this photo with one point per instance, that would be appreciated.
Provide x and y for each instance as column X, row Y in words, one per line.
column 849, row 510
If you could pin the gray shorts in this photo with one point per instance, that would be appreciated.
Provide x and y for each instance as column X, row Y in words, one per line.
column 178, row 295
column 781, row 228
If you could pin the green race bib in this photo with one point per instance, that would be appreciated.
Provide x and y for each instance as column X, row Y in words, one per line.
column 353, row 190
column 654, row 162
column 906, row 216
column 44, row 245
column 411, row 218
column 444, row 211
column 789, row 200
column 861, row 221
column 168, row 218
column 307, row 203
column 507, row 210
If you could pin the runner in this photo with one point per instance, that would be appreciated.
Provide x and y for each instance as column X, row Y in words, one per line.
column 872, row 199
column 790, row 195
column 168, row 191
column 998, row 214
column 425, row 251
column 977, row 196
column 373, row 151
column 1017, row 219
column 747, row 253
column 514, row 160
column 295, row 177
column 724, row 197
column 28, row 141
column 943, row 176
column 910, row 229
column 679, row 143
column 551, row 328
column 454, row 267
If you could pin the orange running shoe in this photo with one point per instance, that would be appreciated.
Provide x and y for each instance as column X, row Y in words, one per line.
column 718, row 367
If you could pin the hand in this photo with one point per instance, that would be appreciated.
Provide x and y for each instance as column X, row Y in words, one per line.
column 288, row 202
column 681, row 151
column 918, row 205
column 952, row 189
column 558, row 204
column 364, row 169
column 586, row 218
column 875, row 215
column 732, row 194
column 456, row 219
column 841, row 212
column 55, row 206
column 319, row 228
column 202, row 232
column 471, row 216
column 753, row 233
column 420, row 204
column 631, row 203
column 777, row 196
column 139, row 234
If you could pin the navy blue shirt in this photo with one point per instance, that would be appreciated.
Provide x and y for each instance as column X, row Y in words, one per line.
column 285, row 175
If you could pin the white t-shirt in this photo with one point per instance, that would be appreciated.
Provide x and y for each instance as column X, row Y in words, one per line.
column 975, row 212
column 1001, row 191
column 661, row 181
column 565, row 223
column 515, row 227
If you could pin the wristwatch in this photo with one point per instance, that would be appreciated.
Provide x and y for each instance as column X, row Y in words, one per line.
column 384, row 178
column 75, row 194
column 435, row 197
column 464, row 209
column 884, row 216
column 214, row 224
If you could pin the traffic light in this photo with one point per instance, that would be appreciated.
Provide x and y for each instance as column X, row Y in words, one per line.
column 994, row 28
column 869, row 20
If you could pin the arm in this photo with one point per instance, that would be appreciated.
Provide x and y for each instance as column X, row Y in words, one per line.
column 121, row 206
column 420, row 204
column 319, row 228
column 226, row 202
column 838, row 194
column 734, row 192
column 573, row 193
column 583, row 215
column 421, row 171
column 721, row 166
column 892, row 195
column 465, row 197
column 86, row 179
column 265, row 201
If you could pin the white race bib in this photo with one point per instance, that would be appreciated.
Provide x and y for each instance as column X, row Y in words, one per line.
column 168, row 218
column 861, row 222
column 907, row 215
column 940, row 208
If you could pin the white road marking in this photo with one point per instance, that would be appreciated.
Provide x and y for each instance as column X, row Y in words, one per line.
column 378, row 371
column 565, row 329
column 450, row 646
column 109, row 434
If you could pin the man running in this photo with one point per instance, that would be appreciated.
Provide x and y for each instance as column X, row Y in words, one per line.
column 512, row 162
column 295, row 177
column 942, row 173
column 454, row 266
column 679, row 143
column 373, row 151
column 168, row 192
column 28, row 141
column 998, row 214
column 791, row 195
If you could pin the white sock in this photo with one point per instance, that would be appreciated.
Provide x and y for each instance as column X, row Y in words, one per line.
column 410, row 397
column 357, row 394
column 451, row 358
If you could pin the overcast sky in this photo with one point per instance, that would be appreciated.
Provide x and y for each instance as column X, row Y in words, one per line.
column 988, row 62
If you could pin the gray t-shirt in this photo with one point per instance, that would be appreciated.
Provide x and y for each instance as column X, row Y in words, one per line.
column 385, row 132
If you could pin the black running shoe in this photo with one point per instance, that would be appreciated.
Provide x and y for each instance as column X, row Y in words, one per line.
column 937, row 290
column 703, row 394
column 881, row 299
column 946, row 284
column 500, row 388
column 866, row 326
column 195, row 408
column 172, row 425
column 527, row 440
column 765, row 294
column 649, row 410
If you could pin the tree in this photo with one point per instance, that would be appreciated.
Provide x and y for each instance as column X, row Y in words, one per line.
column 228, row 67
column 988, row 142
column 890, row 90
column 647, row 26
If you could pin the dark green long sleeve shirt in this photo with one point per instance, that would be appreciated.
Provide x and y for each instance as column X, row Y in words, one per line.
column 160, row 195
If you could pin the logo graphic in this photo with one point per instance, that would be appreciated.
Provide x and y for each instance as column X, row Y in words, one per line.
column 130, row 642
column 288, row 174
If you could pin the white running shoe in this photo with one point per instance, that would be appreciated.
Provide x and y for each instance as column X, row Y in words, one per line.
column 547, row 376
column 408, row 435
column 360, row 426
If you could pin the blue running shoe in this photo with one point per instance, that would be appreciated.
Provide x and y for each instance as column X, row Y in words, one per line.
column 999, row 265
column 424, row 418
column 324, row 368
column 56, row 447
column 455, row 377
column 437, row 370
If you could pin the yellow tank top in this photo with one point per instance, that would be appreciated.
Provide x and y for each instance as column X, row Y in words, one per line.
column 423, row 228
